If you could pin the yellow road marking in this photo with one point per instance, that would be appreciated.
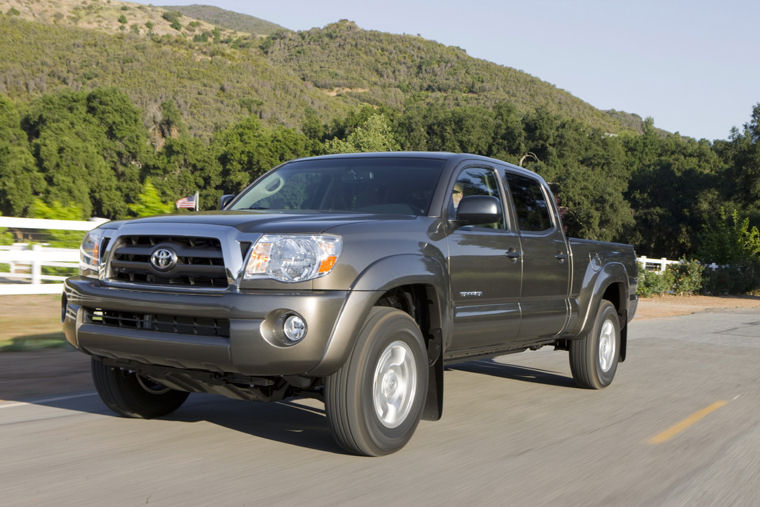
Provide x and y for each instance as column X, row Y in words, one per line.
column 686, row 423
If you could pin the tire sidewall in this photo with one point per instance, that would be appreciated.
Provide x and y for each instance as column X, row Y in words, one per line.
column 121, row 391
column 387, row 329
column 606, row 312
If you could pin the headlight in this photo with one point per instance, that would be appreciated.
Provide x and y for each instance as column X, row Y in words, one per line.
column 89, row 253
column 293, row 257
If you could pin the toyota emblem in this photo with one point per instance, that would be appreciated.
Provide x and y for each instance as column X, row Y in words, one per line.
column 163, row 259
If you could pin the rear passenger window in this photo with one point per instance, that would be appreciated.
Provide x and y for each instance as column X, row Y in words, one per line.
column 533, row 212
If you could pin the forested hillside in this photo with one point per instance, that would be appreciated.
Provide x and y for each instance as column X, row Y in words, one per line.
column 212, row 84
column 394, row 70
column 100, row 123
column 217, row 75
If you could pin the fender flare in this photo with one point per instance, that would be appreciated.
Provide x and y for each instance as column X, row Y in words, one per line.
column 610, row 273
column 614, row 272
column 379, row 277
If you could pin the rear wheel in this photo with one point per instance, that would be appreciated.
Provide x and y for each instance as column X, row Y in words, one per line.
column 594, row 357
column 131, row 395
column 375, row 400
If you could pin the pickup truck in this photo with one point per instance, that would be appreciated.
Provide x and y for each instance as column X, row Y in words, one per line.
column 353, row 279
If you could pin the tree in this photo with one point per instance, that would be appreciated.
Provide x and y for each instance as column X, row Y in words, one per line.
column 375, row 134
column 508, row 140
column 186, row 165
column 58, row 211
column 124, row 147
column 674, row 189
column 729, row 239
column 171, row 125
column 248, row 149
column 89, row 147
column 742, row 153
column 149, row 203
column 19, row 178
column 588, row 168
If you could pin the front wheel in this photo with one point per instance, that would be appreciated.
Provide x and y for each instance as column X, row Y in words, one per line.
column 375, row 400
column 131, row 395
column 594, row 357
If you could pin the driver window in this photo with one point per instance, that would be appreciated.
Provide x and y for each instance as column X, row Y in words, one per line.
column 477, row 181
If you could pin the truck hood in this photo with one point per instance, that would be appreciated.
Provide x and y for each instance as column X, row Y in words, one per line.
column 263, row 221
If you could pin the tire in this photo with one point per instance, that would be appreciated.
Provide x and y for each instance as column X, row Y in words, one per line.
column 375, row 400
column 130, row 395
column 594, row 357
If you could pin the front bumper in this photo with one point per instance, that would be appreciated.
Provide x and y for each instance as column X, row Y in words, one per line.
column 246, row 350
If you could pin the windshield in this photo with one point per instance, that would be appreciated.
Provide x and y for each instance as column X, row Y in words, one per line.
column 364, row 185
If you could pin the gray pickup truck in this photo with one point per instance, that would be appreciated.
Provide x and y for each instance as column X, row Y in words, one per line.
column 353, row 279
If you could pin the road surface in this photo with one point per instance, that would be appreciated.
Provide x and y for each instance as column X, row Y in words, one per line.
column 680, row 425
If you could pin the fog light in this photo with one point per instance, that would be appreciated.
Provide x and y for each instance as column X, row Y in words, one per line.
column 294, row 328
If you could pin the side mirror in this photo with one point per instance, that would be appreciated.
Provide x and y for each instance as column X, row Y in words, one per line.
column 225, row 199
column 478, row 209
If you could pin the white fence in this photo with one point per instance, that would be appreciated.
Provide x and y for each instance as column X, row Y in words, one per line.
column 660, row 264
column 25, row 261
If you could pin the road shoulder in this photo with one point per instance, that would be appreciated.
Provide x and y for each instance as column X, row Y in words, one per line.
column 672, row 306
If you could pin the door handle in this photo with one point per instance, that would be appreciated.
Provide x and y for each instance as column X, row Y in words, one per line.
column 512, row 254
column 561, row 257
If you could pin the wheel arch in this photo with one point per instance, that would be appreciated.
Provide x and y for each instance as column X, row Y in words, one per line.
column 414, row 283
column 611, row 284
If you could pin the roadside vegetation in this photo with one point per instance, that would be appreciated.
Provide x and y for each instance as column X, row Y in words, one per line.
column 90, row 150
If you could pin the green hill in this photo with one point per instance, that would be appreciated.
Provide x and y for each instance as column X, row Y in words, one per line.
column 214, row 85
column 227, row 19
column 219, row 75
column 383, row 68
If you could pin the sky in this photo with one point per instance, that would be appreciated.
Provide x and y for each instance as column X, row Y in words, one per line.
column 692, row 65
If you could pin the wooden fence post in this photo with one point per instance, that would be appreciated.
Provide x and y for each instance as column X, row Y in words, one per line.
column 36, row 264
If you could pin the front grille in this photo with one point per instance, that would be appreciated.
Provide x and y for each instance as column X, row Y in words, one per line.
column 199, row 261
column 180, row 324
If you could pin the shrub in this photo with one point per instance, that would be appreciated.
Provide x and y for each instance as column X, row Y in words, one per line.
column 733, row 243
column 738, row 278
column 683, row 278
column 729, row 239
column 171, row 16
column 687, row 276
column 6, row 237
column 654, row 283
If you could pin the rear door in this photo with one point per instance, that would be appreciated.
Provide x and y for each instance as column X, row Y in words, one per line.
column 484, row 269
column 546, row 266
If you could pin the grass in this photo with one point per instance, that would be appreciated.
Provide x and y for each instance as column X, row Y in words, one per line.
column 30, row 323
column 33, row 342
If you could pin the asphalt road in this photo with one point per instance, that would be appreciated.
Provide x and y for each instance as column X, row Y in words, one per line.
column 680, row 425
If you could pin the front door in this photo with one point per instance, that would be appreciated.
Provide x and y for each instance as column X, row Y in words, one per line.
column 485, row 271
